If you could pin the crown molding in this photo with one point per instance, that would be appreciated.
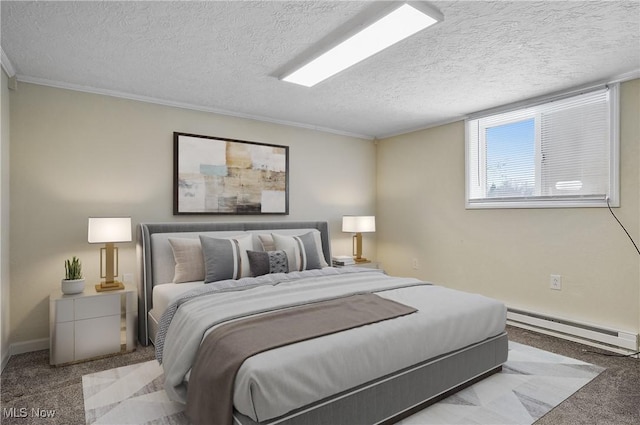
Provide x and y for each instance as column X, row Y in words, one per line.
column 423, row 127
column 627, row 76
column 181, row 105
column 620, row 78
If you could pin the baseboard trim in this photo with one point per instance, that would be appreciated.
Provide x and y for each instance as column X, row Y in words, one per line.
column 23, row 347
column 28, row 346
column 5, row 359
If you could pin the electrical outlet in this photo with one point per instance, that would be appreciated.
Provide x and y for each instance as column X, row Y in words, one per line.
column 555, row 282
column 415, row 264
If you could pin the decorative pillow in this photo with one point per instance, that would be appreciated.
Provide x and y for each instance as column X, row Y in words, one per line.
column 318, row 238
column 187, row 254
column 305, row 253
column 265, row 262
column 226, row 258
column 266, row 240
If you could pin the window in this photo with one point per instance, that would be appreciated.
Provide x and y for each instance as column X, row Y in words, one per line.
column 554, row 153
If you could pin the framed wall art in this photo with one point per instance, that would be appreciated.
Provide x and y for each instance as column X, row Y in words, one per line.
column 214, row 175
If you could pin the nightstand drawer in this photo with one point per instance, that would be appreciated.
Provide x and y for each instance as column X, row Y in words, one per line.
column 97, row 337
column 90, row 307
column 64, row 312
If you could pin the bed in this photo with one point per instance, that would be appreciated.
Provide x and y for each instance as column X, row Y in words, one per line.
column 376, row 373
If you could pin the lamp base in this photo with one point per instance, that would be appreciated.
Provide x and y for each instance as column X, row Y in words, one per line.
column 114, row 286
column 361, row 260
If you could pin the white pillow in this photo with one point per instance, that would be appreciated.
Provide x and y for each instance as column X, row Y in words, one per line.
column 187, row 254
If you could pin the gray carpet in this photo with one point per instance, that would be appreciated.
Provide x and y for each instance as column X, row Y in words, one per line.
column 612, row 398
column 28, row 382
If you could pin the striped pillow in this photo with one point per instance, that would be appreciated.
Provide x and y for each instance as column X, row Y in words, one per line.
column 266, row 241
column 305, row 253
column 226, row 258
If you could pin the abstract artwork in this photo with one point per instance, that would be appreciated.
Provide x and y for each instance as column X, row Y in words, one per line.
column 213, row 175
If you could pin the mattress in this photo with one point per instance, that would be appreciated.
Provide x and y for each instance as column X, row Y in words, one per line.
column 165, row 294
column 268, row 387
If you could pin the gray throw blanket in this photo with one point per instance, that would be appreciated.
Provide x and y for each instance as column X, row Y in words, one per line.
column 210, row 391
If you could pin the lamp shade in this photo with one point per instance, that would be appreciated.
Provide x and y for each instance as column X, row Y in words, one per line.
column 112, row 229
column 358, row 223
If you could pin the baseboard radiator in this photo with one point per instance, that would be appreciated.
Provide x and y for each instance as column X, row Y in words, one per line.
column 609, row 339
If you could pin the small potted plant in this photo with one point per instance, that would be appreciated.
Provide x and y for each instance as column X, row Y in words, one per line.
column 73, row 283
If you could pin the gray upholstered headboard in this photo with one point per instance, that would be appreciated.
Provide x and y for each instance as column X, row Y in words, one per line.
column 146, row 268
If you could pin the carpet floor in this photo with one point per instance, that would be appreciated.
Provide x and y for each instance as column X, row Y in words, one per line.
column 30, row 385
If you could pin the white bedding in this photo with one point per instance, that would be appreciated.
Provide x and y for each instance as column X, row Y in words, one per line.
column 277, row 381
column 165, row 294
column 267, row 387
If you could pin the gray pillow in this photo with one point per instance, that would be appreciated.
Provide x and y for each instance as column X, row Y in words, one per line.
column 304, row 248
column 266, row 240
column 265, row 262
column 226, row 258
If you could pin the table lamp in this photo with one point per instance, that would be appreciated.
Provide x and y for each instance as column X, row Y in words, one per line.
column 358, row 224
column 109, row 231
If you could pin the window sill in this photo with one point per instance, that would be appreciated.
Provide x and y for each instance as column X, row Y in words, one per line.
column 547, row 203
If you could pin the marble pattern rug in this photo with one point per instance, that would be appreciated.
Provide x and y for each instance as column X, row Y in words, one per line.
column 531, row 383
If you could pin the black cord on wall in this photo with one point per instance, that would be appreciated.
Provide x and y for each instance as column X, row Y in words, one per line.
column 621, row 225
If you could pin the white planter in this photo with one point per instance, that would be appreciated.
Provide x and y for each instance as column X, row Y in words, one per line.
column 72, row 286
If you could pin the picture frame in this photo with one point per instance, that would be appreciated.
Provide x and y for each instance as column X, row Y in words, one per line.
column 215, row 175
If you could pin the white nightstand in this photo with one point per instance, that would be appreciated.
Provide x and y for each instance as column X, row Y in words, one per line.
column 91, row 324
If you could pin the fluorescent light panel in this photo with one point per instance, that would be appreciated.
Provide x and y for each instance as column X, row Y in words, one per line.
column 396, row 26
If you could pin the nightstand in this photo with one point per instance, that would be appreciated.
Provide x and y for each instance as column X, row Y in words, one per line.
column 91, row 324
column 368, row 265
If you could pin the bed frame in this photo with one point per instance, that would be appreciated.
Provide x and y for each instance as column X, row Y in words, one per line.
column 385, row 400
column 146, row 278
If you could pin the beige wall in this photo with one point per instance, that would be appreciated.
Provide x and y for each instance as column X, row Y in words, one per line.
column 4, row 219
column 509, row 254
column 75, row 155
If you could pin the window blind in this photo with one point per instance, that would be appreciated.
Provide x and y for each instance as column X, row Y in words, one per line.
column 575, row 146
column 559, row 153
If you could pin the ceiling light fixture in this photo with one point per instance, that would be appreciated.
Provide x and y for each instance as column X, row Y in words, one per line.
column 401, row 23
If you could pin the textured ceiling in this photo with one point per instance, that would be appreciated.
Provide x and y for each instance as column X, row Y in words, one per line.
column 226, row 56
